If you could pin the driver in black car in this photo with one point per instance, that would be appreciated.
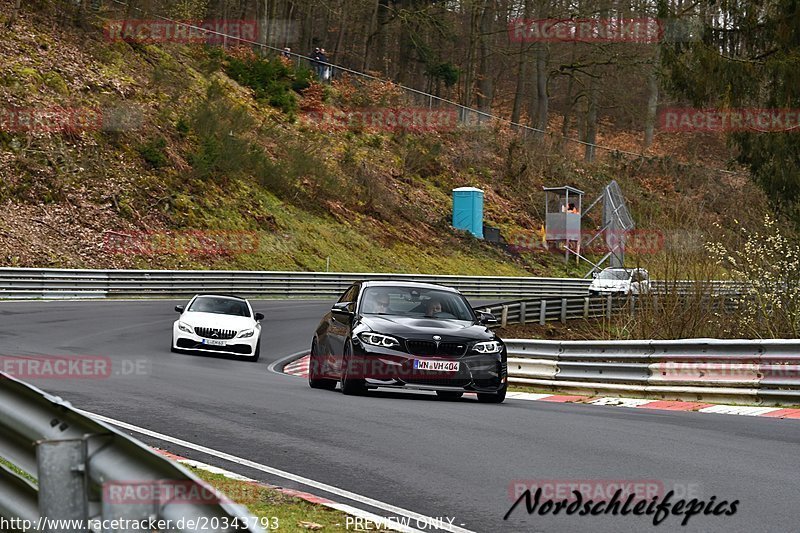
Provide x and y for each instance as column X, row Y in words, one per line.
column 434, row 306
column 378, row 303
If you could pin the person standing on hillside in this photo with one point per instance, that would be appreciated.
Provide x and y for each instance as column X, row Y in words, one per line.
column 315, row 62
column 325, row 69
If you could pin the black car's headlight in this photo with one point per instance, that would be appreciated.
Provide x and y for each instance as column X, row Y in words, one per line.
column 376, row 339
column 487, row 347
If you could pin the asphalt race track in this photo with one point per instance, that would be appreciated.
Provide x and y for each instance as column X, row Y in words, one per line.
column 441, row 459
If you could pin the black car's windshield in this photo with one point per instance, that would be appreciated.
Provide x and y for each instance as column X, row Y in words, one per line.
column 219, row 305
column 619, row 275
column 415, row 302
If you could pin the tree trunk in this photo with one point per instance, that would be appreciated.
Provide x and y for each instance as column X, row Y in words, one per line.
column 340, row 35
column 14, row 14
column 591, row 120
column 652, row 101
column 485, row 82
column 522, row 63
column 383, row 14
column 542, row 99
column 469, row 72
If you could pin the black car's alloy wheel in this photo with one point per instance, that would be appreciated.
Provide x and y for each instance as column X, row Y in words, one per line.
column 314, row 367
column 350, row 384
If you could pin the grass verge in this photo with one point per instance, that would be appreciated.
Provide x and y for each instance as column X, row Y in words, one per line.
column 273, row 507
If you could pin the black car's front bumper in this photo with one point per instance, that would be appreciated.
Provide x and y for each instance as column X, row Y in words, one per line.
column 383, row 367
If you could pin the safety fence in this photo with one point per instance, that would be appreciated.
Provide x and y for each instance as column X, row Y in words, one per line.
column 87, row 472
column 67, row 284
column 49, row 283
column 744, row 371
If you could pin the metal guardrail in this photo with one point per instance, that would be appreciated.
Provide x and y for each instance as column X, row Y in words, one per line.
column 76, row 459
column 59, row 283
column 753, row 371
column 49, row 283
column 562, row 308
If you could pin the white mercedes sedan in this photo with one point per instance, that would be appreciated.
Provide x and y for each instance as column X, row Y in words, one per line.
column 218, row 323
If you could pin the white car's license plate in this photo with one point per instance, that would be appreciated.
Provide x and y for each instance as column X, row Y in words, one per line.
column 438, row 366
column 214, row 342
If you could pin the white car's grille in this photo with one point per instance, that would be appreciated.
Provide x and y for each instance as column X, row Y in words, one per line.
column 214, row 333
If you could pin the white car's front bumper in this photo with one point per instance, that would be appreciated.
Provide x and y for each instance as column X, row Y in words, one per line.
column 183, row 340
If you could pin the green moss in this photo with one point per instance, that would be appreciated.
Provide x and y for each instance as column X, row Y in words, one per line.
column 54, row 81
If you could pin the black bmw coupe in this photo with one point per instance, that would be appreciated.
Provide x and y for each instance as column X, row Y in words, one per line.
column 408, row 335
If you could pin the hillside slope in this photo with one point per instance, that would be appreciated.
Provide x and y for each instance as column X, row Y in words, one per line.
column 196, row 138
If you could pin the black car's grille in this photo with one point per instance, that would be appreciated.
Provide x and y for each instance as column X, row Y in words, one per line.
column 452, row 348
column 423, row 348
column 214, row 333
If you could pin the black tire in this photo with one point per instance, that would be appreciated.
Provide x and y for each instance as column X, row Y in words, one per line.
column 172, row 347
column 449, row 395
column 256, row 355
column 350, row 386
column 313, row 365
column 493, row 397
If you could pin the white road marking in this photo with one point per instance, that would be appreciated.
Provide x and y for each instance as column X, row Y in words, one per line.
column 526, row 396
column 621, row 402
column 738, row 410
column 365, row 500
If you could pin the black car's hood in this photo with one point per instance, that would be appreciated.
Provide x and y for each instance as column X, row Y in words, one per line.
column 409, row 327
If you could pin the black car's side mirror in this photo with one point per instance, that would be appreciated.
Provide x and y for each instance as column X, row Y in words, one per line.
column 486, row 318
column 259, row 316
column 180, row 308
column 342, row 309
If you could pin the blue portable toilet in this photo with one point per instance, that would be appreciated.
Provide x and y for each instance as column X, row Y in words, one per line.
column 468, row 210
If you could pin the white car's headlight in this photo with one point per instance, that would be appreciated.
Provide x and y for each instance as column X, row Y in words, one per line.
column 376, row 339
column 183, row 326
column 247, row 333
column 487, row 347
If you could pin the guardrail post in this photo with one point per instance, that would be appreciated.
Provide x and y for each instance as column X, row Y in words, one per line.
column 586, row 307
column 522, row 313
column 563, row 310
column 504, row 316
column 608, row 306
column 61, row 468
column 542, row 312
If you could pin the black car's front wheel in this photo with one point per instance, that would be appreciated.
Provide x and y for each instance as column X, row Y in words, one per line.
column 351, row 383
column 493, row 397
column 315, row 369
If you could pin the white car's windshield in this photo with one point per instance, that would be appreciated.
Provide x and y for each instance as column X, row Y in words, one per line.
column 219, row 305
column 414, row 302
column 616, row 275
